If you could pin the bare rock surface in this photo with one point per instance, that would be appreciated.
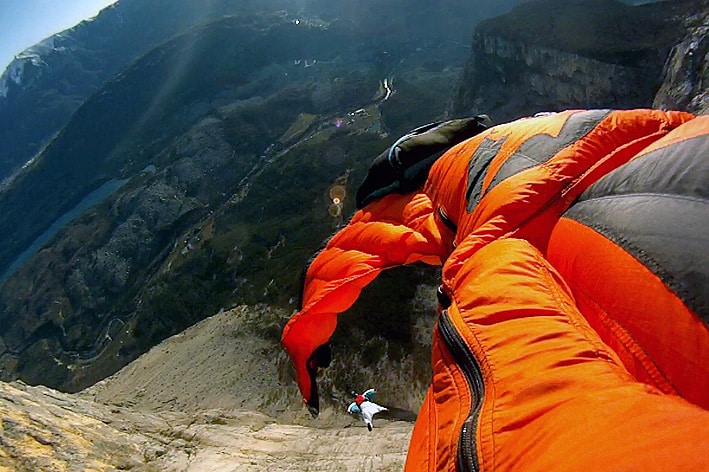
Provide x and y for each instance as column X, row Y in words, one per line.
column 208, row 399
column 686, row 73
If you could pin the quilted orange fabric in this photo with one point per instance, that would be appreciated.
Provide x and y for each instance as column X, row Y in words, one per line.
column 574, row 253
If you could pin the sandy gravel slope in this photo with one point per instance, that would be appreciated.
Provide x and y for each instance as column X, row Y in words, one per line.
column 44, row 430
column 208, row 399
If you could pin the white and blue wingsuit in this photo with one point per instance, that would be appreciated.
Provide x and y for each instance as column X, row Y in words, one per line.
column 365, row 407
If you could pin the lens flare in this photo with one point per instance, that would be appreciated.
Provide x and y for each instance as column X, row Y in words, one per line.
column 335, row 210
column 337, row 192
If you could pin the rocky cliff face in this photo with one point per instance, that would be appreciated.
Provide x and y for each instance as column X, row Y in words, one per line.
column 685, row 84
column 549, row 56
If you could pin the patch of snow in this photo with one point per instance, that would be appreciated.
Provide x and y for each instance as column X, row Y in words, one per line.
column 34, row 55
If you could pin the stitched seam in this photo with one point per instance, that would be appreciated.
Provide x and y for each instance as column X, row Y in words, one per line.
column 632, row 346
column 569, row 311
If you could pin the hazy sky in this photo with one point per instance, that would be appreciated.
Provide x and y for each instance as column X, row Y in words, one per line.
column 27, row 22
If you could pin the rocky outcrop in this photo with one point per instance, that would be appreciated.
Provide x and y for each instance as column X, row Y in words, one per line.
column 46, row 430
column 685, row 84
column 550, row 56
column 43, row 429
column 212, row 398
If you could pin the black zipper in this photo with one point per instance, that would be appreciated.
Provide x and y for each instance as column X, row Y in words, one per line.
column 467, row 452
column 446, row 220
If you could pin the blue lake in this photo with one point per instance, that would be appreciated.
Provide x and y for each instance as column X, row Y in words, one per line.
column 93, row 198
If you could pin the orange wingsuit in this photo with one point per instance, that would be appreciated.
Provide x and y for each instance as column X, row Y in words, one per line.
column 573, row 334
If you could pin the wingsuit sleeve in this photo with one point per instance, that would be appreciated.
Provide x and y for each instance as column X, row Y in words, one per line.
column 392, row 231
column 538, row 388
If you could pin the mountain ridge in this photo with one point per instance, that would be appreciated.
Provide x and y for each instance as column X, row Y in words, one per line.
column 82, row 58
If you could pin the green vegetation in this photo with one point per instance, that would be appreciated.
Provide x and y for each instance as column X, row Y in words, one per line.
column 219, row 211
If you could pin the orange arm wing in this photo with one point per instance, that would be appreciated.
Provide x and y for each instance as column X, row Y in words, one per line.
column 393, row 231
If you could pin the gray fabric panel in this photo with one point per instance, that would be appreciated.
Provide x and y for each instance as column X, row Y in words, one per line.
column 669, row 234
column 477, row 168
column 679, row 169
column 657, row 208
column 542, row 147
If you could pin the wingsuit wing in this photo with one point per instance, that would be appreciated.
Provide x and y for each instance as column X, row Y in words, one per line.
column 390, row 232
column 369, row 394
column 633, row 249
column 397, row 227
column 603, row 194
column 573, row 301
column 540, row 391
column 353, row 409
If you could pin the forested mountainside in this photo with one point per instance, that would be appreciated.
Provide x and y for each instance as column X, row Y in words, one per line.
column 47, row 83
column 199, row 177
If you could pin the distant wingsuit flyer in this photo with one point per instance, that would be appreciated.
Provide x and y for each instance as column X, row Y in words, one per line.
column 364, row 406
column 572, row 332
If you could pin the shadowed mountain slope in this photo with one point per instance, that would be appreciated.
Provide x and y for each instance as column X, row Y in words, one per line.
column 550, row 55
column 47, row 83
